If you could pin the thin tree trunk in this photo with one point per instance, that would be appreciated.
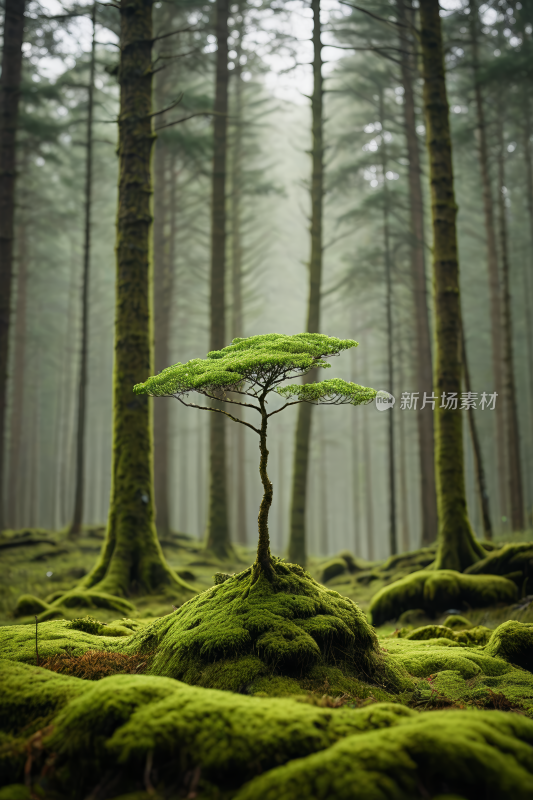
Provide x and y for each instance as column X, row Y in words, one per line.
column 424, row 370
column 367, row 460
column 9, row 103
column 457, row 546
column 513, row 438
column 217, row 538
column 492, row 263
column 404, row 538
column 356, row 472
column 79, row 491
column 528, row 263
column 19, row 372
column 237, row 328
column 476, row 448
column 131, row 559
column 297, row 541
column 162, row 301
column 393, row 538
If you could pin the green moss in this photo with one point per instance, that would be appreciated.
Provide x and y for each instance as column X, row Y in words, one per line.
column 435, row 591
column 508, row 559
column 28, row 604
column 123, row 718
column 457, row 622
column 332, row 569
column 479, row 754
column 16, row 791
column 288, row 626
column 17, row 642
column 30, row 693
column 513, row 641
column 475, row 636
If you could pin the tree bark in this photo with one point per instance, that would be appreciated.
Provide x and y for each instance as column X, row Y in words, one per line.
column 492, row 263
column 297, row 540
column 424, row 369
column 77, row 517
column 162, row 300
column 393, row 538
column 9, row 104
column 14, row 502
column 457, row 546
column 131, row 560
column 479, row 470
column 513, row 438
column 217, row 538
column 237, row 328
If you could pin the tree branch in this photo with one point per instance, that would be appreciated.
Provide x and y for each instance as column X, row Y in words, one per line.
column 169, row 108
column 218, row 411
column 375, row 16
column 184, row 119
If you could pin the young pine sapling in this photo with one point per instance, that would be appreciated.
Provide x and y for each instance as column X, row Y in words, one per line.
column 250, row 370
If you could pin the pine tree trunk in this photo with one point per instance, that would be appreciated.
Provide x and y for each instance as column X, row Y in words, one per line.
column 131, row 560
column 492, row 264
column 9, row 103
column 393, row 538
column 297, row 540
column 367, row 461
column 237, row 329
column 424, row 370
column 14, row 501
column 513, row 437
column 457, row 546
column 479, row 470
column 162, row 299
column 79, row 491
column 218, row 539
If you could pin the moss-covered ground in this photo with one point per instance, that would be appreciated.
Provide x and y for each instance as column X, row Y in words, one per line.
column 258, row 691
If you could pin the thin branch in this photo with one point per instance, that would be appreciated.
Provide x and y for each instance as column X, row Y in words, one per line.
column 375, row 16
column 218, row 411
column 294, row 403
column 112, row 5
column 173, row 33
column 234, row 402
column 169, row 108
column 184, row 119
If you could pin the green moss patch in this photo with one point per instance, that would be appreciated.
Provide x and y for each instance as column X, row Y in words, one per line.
column 237, row 632
column 476, row 754
column 438, row 590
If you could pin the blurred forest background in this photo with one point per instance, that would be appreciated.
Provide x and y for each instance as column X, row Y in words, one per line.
column 373, row 134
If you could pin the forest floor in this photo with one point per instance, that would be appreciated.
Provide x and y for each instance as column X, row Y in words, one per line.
column 89, row 724
column 51, row 562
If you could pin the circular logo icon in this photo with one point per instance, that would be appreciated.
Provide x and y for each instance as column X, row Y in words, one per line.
column 384, row 400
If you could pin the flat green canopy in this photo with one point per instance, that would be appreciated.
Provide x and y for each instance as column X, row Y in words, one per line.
column 262, row 363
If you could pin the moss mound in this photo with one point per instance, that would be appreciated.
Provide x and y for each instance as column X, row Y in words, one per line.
column 239, row 631
column 513, row 641
column 514, row 561
column 474, row 636
column 480, row 754
column 437, row 590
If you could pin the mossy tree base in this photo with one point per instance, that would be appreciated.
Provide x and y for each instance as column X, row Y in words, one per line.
column 252, row 625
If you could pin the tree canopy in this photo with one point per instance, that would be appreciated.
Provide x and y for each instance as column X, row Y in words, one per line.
column 258, row 365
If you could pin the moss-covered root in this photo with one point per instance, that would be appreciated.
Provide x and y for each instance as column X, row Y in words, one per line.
column 514, row 561
column 471, row 753
column 284, row 627
column 436, row 591
column 32, row 694
column 513, row 641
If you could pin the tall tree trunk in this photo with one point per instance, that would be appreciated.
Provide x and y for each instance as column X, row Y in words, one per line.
column 479, row 470
column 404, row 538
column 237, row 328
column 367, row 460
column 528, row 263
column 393, row 538
column 424, row 370
column 162, row 303
column 79, row 491
column 457, row 546
column 9, row 103
column 131, row 559
column 297, row 540
column 13, row 503
column 218, row 539
column 492, row 263
column 513, row 439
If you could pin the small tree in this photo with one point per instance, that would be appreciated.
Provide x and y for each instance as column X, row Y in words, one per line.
column 251, row 369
